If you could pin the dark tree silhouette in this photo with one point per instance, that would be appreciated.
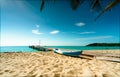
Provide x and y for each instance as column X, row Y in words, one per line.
column 96, row 5
column 104, row 44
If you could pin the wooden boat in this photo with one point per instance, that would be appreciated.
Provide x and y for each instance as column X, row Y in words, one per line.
column 68, row 53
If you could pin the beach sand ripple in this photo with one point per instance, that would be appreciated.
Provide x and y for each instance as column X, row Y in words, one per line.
column 49, row 64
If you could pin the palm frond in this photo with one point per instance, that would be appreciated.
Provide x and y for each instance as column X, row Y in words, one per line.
column 108, row 7
column 96, row 5
column 54, row 1
column 42, row 5
column 76, row 3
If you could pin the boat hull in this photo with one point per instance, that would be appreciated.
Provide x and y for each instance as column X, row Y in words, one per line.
column 73, row 53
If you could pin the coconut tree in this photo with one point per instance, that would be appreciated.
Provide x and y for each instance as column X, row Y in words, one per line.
column 95, row 5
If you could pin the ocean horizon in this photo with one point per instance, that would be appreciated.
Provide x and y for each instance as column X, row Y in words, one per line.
column 27, row 49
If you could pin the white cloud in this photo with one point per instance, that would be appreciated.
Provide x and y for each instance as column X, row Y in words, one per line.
column 87, row 33
column 83, row 32
column 94, row 38
column 54, row 32
column 36, row 31
column 37, row 26
column 80, row 24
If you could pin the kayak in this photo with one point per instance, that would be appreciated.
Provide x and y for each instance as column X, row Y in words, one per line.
column 68, row 53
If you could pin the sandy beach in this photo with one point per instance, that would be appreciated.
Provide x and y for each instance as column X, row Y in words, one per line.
column 50, row 64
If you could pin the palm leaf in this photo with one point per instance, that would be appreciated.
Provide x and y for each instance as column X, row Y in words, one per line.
column 42, row 5
column 96, row 5
column 75, row 3
column 54, row 1
column 108, row 7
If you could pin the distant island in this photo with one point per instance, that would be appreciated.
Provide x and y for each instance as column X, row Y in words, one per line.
column 104, row 44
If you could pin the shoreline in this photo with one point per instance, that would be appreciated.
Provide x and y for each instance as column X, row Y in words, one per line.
column 19, row 64
column 65, row 49
column 75, row 48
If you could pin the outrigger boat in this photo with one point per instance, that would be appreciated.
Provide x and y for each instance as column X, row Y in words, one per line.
column 87, row 56
column 68, row 53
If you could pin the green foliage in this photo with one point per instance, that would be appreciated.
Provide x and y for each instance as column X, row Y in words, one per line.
column 104, row 44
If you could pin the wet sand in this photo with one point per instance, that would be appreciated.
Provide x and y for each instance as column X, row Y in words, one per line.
column 50, row 64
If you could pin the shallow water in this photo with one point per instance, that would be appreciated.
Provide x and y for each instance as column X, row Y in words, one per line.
column 86, row 47
column 27, row 49
column 16, row 49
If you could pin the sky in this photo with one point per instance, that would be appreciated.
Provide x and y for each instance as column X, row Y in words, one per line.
column 23, row 24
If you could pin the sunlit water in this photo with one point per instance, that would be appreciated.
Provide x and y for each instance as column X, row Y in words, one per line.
column 27, row 49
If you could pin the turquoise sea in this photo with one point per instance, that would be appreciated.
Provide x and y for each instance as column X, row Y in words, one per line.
column 86, row 47
column 16, row 49
column 27, row 49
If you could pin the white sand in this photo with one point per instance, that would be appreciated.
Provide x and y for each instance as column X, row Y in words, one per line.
column 49, row 64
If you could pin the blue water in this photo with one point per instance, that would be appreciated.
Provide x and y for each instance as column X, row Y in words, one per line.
column 16, row 49
column 27, row 49
column 86, row 47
